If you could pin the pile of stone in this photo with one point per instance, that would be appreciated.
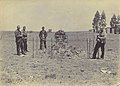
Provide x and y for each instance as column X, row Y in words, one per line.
column 69, row 51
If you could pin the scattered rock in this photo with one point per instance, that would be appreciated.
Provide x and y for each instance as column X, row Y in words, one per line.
column 68, row 76
column 82, row 70
column 104, row 70
column 114, row 74
column 8, row 81
column 109, row 49
column 76, row 66
column 61, row 67
column 38, row 61
column 19, row 80
column 68, row 55
column 45, row 69
column 53, row 76
column 62, row 76
column 107, row 71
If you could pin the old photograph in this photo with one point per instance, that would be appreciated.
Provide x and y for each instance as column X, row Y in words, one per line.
column 59, row 43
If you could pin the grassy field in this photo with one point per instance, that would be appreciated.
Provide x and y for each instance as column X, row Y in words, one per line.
column 38, row 68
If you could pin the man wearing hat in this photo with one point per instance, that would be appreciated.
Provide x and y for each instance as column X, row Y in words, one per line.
column 42, row 36
column 19, row 41
column 101, row 41
column 24, row 34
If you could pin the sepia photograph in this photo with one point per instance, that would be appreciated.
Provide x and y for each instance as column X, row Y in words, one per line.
column 59, row 42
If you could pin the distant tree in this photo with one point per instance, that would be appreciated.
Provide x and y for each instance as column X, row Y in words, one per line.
column 113, row 21
column 113, row 24
column 103, row 19
column 97, row 15
column 103, row 16
column 96, row 21
column 118, row 19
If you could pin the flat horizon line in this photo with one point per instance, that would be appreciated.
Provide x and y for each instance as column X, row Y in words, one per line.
column 46, row 30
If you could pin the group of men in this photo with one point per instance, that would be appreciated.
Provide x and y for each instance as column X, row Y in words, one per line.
column 21, row 41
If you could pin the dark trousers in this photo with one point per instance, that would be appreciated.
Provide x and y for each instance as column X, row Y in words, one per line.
column 41, row 44
column 25, row 45
column 97, row 46
column 20, row 46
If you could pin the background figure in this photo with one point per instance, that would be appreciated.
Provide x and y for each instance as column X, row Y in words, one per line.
column 19, row 41
column 101, row 41
column 24, row 34
column 42, row 36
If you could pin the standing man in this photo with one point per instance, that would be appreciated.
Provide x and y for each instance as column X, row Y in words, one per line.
column 19, row 41
column 101, row 41
column 43, row 36
column 24, row 34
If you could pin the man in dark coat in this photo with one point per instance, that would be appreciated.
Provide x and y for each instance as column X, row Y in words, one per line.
column 19, row 41
column 101, row 41
column 24, row 34
column 43, row 36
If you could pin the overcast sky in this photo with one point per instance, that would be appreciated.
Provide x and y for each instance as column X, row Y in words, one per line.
column 69, row 15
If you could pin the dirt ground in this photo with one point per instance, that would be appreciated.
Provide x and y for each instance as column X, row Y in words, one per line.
column 39, row 68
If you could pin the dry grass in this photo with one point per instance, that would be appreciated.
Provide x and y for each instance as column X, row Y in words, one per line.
column 41, row 69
